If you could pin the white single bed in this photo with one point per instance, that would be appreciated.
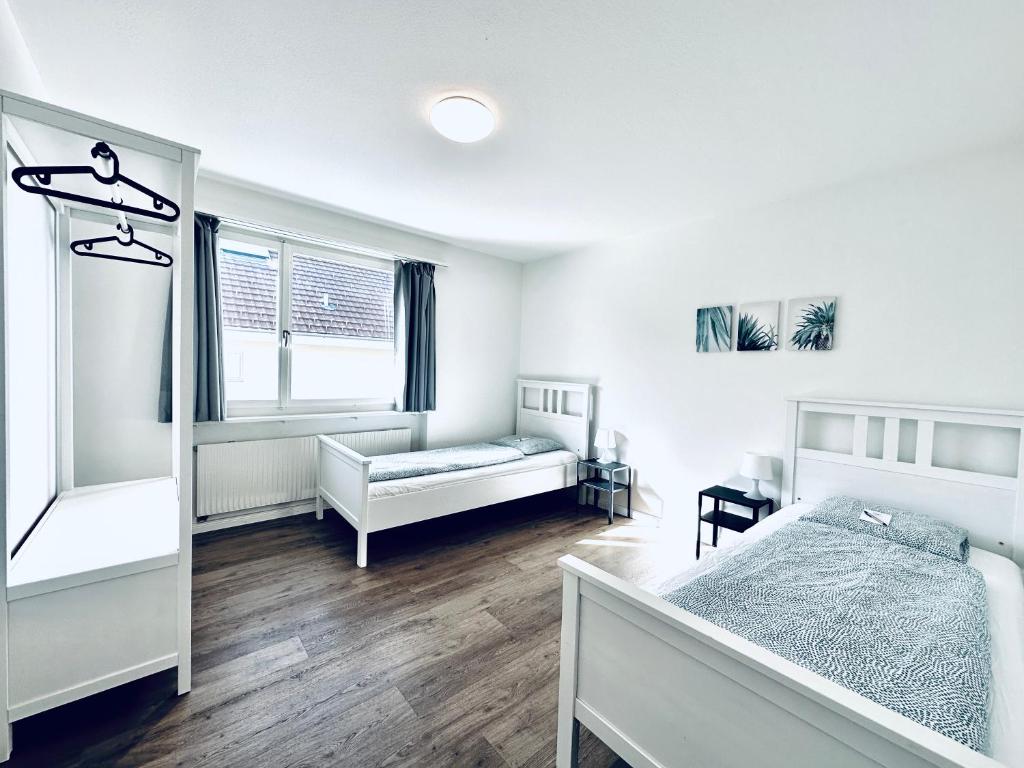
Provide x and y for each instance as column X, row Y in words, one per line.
column 553, row 409
column 663, row 687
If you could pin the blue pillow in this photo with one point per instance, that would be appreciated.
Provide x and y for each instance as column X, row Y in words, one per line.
column 529, row 445
column 912, row 529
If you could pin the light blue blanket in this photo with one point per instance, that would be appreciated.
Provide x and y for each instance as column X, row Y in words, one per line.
column 394, row 466
column 905, row 628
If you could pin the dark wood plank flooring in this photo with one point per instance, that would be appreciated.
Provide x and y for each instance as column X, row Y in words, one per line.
column 444, row 652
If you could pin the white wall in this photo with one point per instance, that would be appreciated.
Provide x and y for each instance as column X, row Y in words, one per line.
column 478, row 323
column 118, row 313
column 18, row 72
column 928, row 266
column 479, row 301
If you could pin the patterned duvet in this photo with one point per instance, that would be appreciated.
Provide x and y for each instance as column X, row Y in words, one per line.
column 900, row 626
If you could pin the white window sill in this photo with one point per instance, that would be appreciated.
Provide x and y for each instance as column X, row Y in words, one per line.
column 242, row 410
column 282, row 425
column 299, row 417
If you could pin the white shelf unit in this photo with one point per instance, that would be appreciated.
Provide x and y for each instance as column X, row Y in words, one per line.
column 91, row 595
column 99, row 591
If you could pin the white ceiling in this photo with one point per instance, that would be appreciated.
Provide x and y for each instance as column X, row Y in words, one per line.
column 613, row 117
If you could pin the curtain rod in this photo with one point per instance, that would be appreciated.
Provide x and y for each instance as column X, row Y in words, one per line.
column 340, row 245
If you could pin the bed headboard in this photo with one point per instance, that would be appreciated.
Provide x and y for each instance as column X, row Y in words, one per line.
column 963, row 465
column 556, row 409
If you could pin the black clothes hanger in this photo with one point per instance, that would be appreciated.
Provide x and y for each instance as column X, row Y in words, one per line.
column 163, row 208
column 126, row 239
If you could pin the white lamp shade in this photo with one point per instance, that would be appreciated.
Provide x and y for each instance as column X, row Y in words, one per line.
column 605, row 438
column 756, row 467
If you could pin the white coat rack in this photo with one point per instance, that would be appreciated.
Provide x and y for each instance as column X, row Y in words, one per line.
column 99, row 590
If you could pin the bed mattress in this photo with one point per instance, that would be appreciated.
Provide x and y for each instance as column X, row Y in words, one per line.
column 397, row 466
column 1005, row 607
column 550, row 459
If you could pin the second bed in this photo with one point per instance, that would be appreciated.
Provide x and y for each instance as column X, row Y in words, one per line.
column 363, row 494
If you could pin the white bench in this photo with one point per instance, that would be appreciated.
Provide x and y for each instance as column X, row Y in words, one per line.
column 93, row 594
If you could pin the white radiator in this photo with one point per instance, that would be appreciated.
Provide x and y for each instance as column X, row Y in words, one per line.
column 253, row 474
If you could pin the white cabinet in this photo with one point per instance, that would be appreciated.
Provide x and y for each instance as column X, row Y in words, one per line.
column 92, row 594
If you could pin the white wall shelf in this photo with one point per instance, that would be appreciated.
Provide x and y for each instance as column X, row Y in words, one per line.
column 99, row 532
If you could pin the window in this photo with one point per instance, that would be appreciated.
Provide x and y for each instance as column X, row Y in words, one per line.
column 249, row 277
column 306, row 330
column 343, row 343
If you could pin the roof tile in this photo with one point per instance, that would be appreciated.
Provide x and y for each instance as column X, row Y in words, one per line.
column 329, row 298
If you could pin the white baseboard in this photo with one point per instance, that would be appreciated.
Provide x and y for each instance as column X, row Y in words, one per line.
column 641, row 515
column 620, row 509
column 250, row 516
column 88, row 688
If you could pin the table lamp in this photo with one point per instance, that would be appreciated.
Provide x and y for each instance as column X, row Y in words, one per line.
column 605, row 440
column 757, row 468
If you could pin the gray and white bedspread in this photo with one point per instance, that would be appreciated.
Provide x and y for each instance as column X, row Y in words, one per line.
column 394, row 466
column 902, row 627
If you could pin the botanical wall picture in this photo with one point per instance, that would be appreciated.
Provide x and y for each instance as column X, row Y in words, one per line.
column 812, row 323
column 757, row 329
column 714, row 328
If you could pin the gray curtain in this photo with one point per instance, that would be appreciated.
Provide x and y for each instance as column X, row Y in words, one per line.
column 207, row 333
column 416, row 334
column 166, row 388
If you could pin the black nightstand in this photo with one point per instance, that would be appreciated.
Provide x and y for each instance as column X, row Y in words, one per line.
column 606, row 483
column 722, row 519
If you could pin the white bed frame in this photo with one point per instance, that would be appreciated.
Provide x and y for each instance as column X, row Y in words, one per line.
column 664, row 688
column 555, row 409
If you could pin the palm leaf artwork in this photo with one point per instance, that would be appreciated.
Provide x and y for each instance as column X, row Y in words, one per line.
column 754, row 336
column 815, row 327
column 714, row 329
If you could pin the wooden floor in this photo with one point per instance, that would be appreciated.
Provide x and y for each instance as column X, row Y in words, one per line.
column 444, row 652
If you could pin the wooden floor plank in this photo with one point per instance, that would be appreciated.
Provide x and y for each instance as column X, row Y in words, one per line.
column 444, row 652
column 337, row 682
column 480, row 754
column 462, row 714
column 350, row 738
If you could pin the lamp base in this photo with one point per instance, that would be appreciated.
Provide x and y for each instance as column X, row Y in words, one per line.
column 607, row 456
column 754, row 494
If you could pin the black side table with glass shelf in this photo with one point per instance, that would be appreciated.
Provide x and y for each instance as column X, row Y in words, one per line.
column 606, row 483
column 719, row 518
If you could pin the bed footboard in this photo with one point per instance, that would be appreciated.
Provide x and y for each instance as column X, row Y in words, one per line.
column 665, row 688
column 342, row 481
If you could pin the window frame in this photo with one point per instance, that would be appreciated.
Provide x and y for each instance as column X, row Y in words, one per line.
column 285, row 405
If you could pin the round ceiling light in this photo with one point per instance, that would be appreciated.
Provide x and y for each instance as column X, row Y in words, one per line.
column 462, row 119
